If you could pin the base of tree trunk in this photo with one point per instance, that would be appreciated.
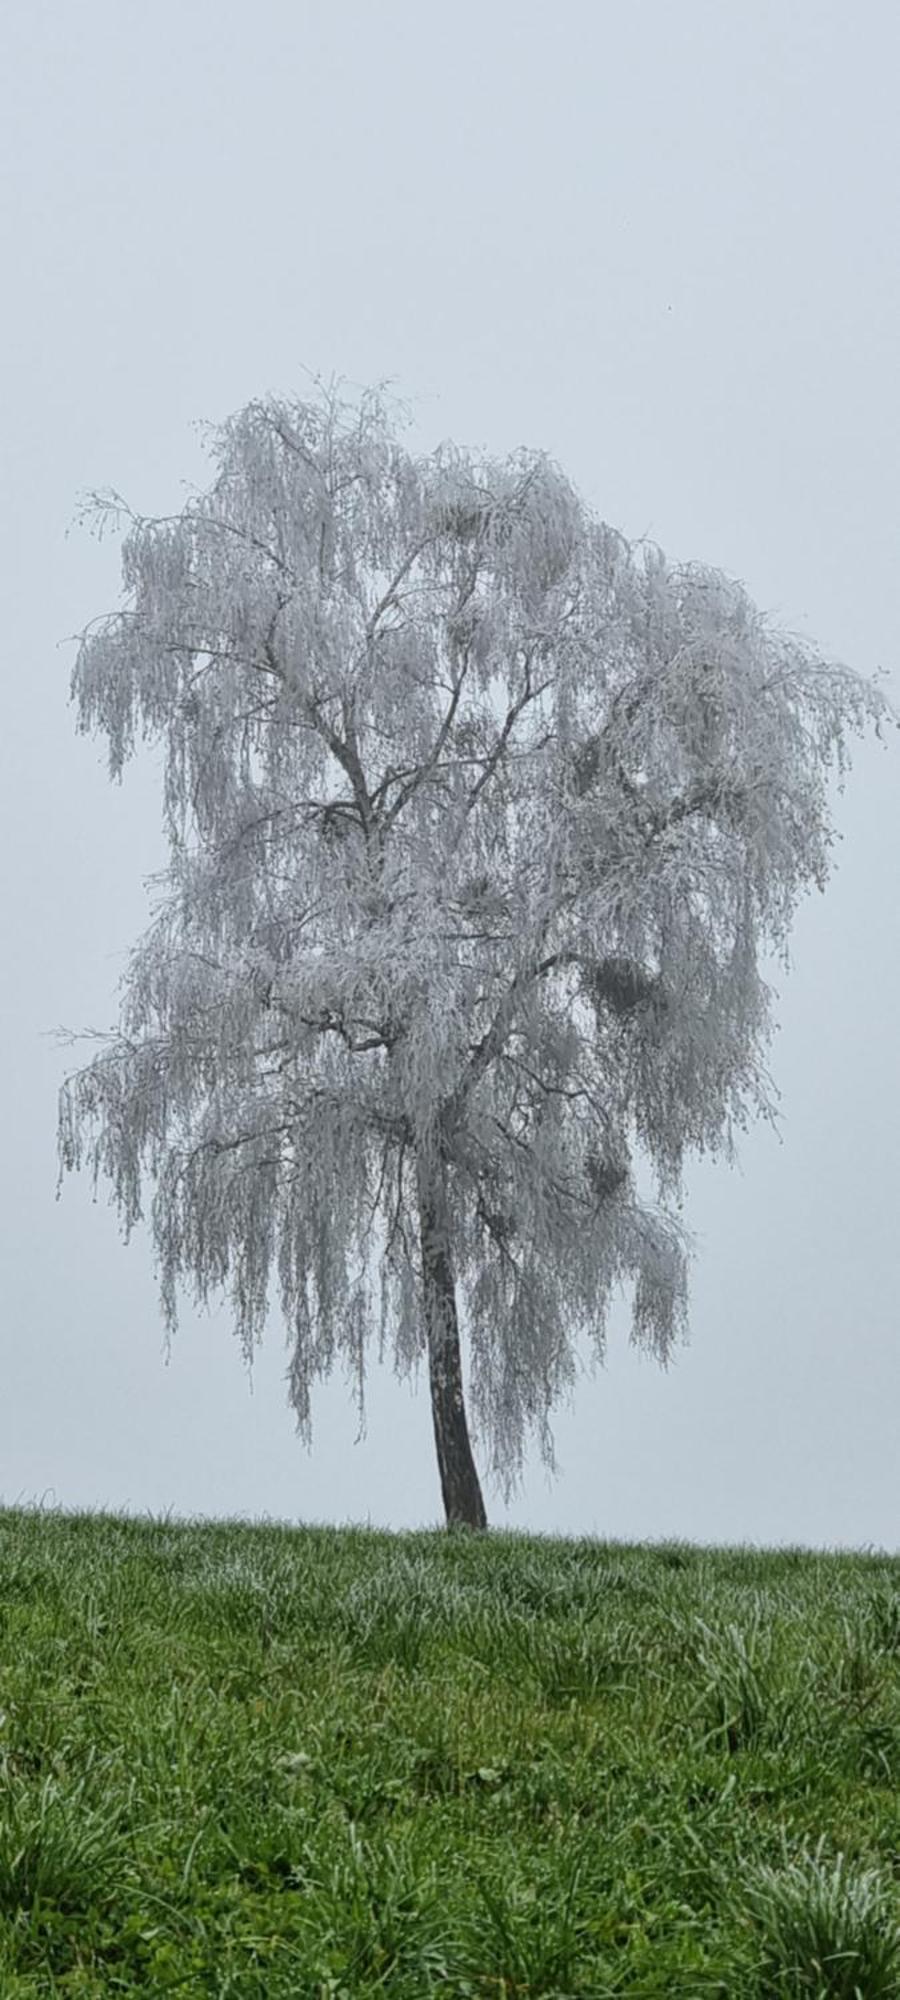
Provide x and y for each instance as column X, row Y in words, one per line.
column 460, row 1486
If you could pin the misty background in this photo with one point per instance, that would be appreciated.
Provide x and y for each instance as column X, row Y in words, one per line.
column 660, row 243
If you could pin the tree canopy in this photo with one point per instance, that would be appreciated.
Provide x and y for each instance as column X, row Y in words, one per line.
column 481, row 820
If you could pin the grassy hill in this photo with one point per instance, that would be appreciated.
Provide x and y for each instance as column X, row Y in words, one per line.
column 261, row 1762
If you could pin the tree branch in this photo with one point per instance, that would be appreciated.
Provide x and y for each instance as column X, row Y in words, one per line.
column 619, row 981
column 327, row 1023
column 549, row 1089
column 390, row 595
column 423, row 771
column 512, row 716
column 345, row 753
column 497, row 1228
column 559, row 1187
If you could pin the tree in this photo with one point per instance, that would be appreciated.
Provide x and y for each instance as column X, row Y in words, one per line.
column 514, row 952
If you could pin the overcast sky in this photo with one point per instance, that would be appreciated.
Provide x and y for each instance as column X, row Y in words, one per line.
column 660, row 242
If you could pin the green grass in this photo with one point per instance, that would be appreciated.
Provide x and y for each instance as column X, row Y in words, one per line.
column 261, row 1762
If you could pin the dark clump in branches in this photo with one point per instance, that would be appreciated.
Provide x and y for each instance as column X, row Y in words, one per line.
column 586, row 760
column 621, row 985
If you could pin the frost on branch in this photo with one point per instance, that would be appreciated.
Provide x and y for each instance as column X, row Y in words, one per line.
column 480, row 821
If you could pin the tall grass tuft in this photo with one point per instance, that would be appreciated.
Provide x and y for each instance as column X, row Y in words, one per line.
column 825, row 1929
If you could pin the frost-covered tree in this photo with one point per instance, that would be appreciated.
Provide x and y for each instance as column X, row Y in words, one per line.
column 480, row 819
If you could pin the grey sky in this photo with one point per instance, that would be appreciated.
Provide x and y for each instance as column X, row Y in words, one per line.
column 660, row 242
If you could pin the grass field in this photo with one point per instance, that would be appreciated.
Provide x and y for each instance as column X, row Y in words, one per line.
column 261, row 1762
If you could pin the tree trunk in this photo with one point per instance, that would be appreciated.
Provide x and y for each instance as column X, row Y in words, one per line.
column 463, row 1503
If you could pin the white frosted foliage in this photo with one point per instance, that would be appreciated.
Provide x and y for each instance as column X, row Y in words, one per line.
column 480, row 821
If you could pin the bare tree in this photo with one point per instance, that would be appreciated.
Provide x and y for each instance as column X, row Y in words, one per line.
column 578, row 791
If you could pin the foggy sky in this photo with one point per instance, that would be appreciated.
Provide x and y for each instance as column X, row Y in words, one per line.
column 661, row 243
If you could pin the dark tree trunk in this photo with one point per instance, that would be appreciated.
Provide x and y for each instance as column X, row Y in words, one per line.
column 463, row 1503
